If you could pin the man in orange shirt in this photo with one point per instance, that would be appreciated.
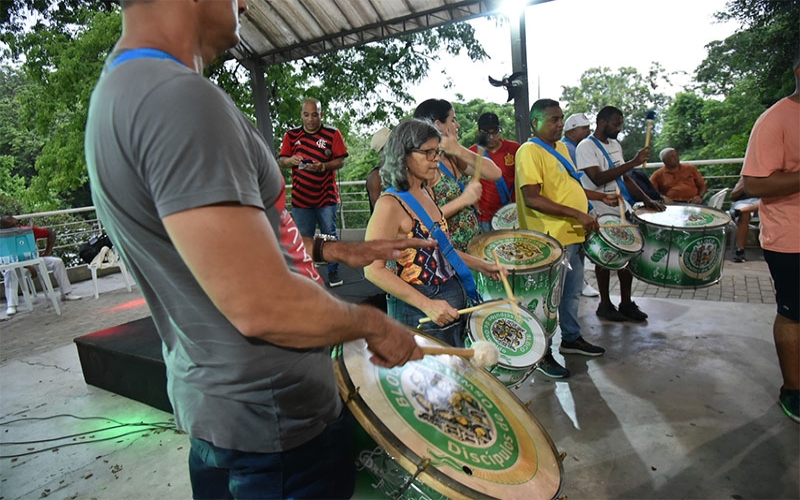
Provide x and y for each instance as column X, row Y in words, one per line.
column 678, row 181
column 772, row 172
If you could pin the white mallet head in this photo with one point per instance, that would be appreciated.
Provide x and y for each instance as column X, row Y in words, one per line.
column 486, row 354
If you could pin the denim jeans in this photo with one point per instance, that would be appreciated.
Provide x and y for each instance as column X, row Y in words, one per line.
column 307, row 220
column 485, row 226
column 453, row 292
column 321, row 468
column 571, row 294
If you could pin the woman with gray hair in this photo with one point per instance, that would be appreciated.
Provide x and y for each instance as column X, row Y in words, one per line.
column 425, row 282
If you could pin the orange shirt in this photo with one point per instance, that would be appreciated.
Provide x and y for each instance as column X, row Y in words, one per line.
column 774, row 146
column 681, row 184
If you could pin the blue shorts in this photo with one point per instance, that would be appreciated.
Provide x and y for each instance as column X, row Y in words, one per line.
column 785, row 271
column 453, row 292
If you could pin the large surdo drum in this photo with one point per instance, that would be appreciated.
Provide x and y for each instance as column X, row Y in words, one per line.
column 536, row 265
column 684, row 246
column 613, row 247
column 441, row 428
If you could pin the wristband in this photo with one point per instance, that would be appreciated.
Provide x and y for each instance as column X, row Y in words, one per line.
column 316, row 251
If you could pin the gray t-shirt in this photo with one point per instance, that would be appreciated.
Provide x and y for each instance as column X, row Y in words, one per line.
column 161, row 139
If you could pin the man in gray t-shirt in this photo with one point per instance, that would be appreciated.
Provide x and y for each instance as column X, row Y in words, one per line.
column 192, row 196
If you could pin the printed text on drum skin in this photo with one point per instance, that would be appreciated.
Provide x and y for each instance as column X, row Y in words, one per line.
column 498, row 454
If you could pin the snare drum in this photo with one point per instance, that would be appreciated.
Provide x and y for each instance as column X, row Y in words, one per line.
column 441, row 428
column 683, row 246
column 613, row 247
column 521, row 340
column 536, row 271
column 506, row 217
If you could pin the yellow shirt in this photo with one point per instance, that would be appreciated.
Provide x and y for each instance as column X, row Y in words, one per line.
column 536, row 166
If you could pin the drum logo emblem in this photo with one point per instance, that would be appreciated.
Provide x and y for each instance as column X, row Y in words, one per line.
column 507, row 333
column 518, row 252
column 452, row 414
column 701, row 257
column 621, row 236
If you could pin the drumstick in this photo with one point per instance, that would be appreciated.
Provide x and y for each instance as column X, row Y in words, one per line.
column 478, row 164
column 509, row 293
column 481, row 354
column 621, row 205
column 473, row 308
column 578, row 226
column 650, row 119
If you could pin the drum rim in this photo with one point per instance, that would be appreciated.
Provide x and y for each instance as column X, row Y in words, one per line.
column 402, row 454
column 500, row 233
column 726, row 219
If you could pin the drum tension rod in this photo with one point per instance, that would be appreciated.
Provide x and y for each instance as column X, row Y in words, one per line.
column 420, row 468
column 351, row 395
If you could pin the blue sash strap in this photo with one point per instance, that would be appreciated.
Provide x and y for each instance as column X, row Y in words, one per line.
column 623, row 189
column 567, row 164
column 448, row 173
column 142, row 53
column 502, row 187
column 444, row 244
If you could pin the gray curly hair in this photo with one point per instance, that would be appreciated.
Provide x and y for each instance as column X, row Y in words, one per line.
column 407, row 136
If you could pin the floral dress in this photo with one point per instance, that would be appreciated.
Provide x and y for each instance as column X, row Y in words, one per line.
column 464, row 223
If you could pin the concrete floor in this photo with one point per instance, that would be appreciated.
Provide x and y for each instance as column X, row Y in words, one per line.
column 682, row 407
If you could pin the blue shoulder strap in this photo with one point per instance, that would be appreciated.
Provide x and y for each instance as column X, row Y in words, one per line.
column 502, row 187
column 623, row 189
column 444, row 244
column 567, row 164
column 142, row 53
column 448, row 173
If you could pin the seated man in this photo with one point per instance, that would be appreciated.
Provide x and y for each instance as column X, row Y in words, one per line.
column 678, row 181
column 54, row 265
column 742, row 210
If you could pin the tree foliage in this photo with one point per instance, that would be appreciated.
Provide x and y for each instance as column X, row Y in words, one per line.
column 627, row 89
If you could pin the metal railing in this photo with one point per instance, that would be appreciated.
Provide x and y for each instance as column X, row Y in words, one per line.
column 75, row 226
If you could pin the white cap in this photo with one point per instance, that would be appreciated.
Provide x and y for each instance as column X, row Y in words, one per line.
column 379, row 139
column 575, row 121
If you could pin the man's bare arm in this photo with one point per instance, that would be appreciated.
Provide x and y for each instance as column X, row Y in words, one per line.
column 777, row 184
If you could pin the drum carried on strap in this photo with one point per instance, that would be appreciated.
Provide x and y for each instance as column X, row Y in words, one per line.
column 613, row 247
column 506, row 218
column 519, row 338
column 684, row 246
column 536, row 270
column 442, row 428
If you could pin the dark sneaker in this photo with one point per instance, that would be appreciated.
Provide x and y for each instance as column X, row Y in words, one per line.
column 739, row 255
column 632, row 312
column 334, row 279
column 609, row 312
column 580, row 346
column 790, row 403
column 550, row 367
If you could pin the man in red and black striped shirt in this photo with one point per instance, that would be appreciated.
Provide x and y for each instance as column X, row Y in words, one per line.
column 314, row 152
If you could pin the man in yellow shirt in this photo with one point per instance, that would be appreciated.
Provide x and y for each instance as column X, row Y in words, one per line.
column 551, row 200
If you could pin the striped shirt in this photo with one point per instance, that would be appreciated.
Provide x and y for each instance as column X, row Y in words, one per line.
column 314, row 189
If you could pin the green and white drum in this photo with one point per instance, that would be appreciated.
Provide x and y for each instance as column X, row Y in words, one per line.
column 613, row 247
column 441, row 428
column 684, row 246
column 506, row 217
column 519, row 338
column 536, row 271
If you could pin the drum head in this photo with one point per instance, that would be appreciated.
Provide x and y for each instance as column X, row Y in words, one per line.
column 627, row 239
column 684, row 216
column 467, row 432
column 521, row 341
column 506, row 217
column 520, row 250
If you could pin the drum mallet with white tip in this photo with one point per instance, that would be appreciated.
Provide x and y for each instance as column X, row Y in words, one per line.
column 481, row 354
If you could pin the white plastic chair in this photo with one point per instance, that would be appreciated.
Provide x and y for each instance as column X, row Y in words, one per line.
column 103, row 260
column 718, row 199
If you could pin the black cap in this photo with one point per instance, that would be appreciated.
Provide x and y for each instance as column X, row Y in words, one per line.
column 488, row 121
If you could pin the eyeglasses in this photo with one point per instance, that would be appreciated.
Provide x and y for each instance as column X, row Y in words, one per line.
column 430, row 154
column 491, row 132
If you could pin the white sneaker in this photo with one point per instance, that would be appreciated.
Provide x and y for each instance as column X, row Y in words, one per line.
column 589, row 291
column 11, row 310
column 70, row 296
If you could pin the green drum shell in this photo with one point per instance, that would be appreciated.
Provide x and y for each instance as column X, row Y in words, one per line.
column 536, row 284
column 602, row 249
column 517, row 362
column 506, row 218
column 684, row 256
